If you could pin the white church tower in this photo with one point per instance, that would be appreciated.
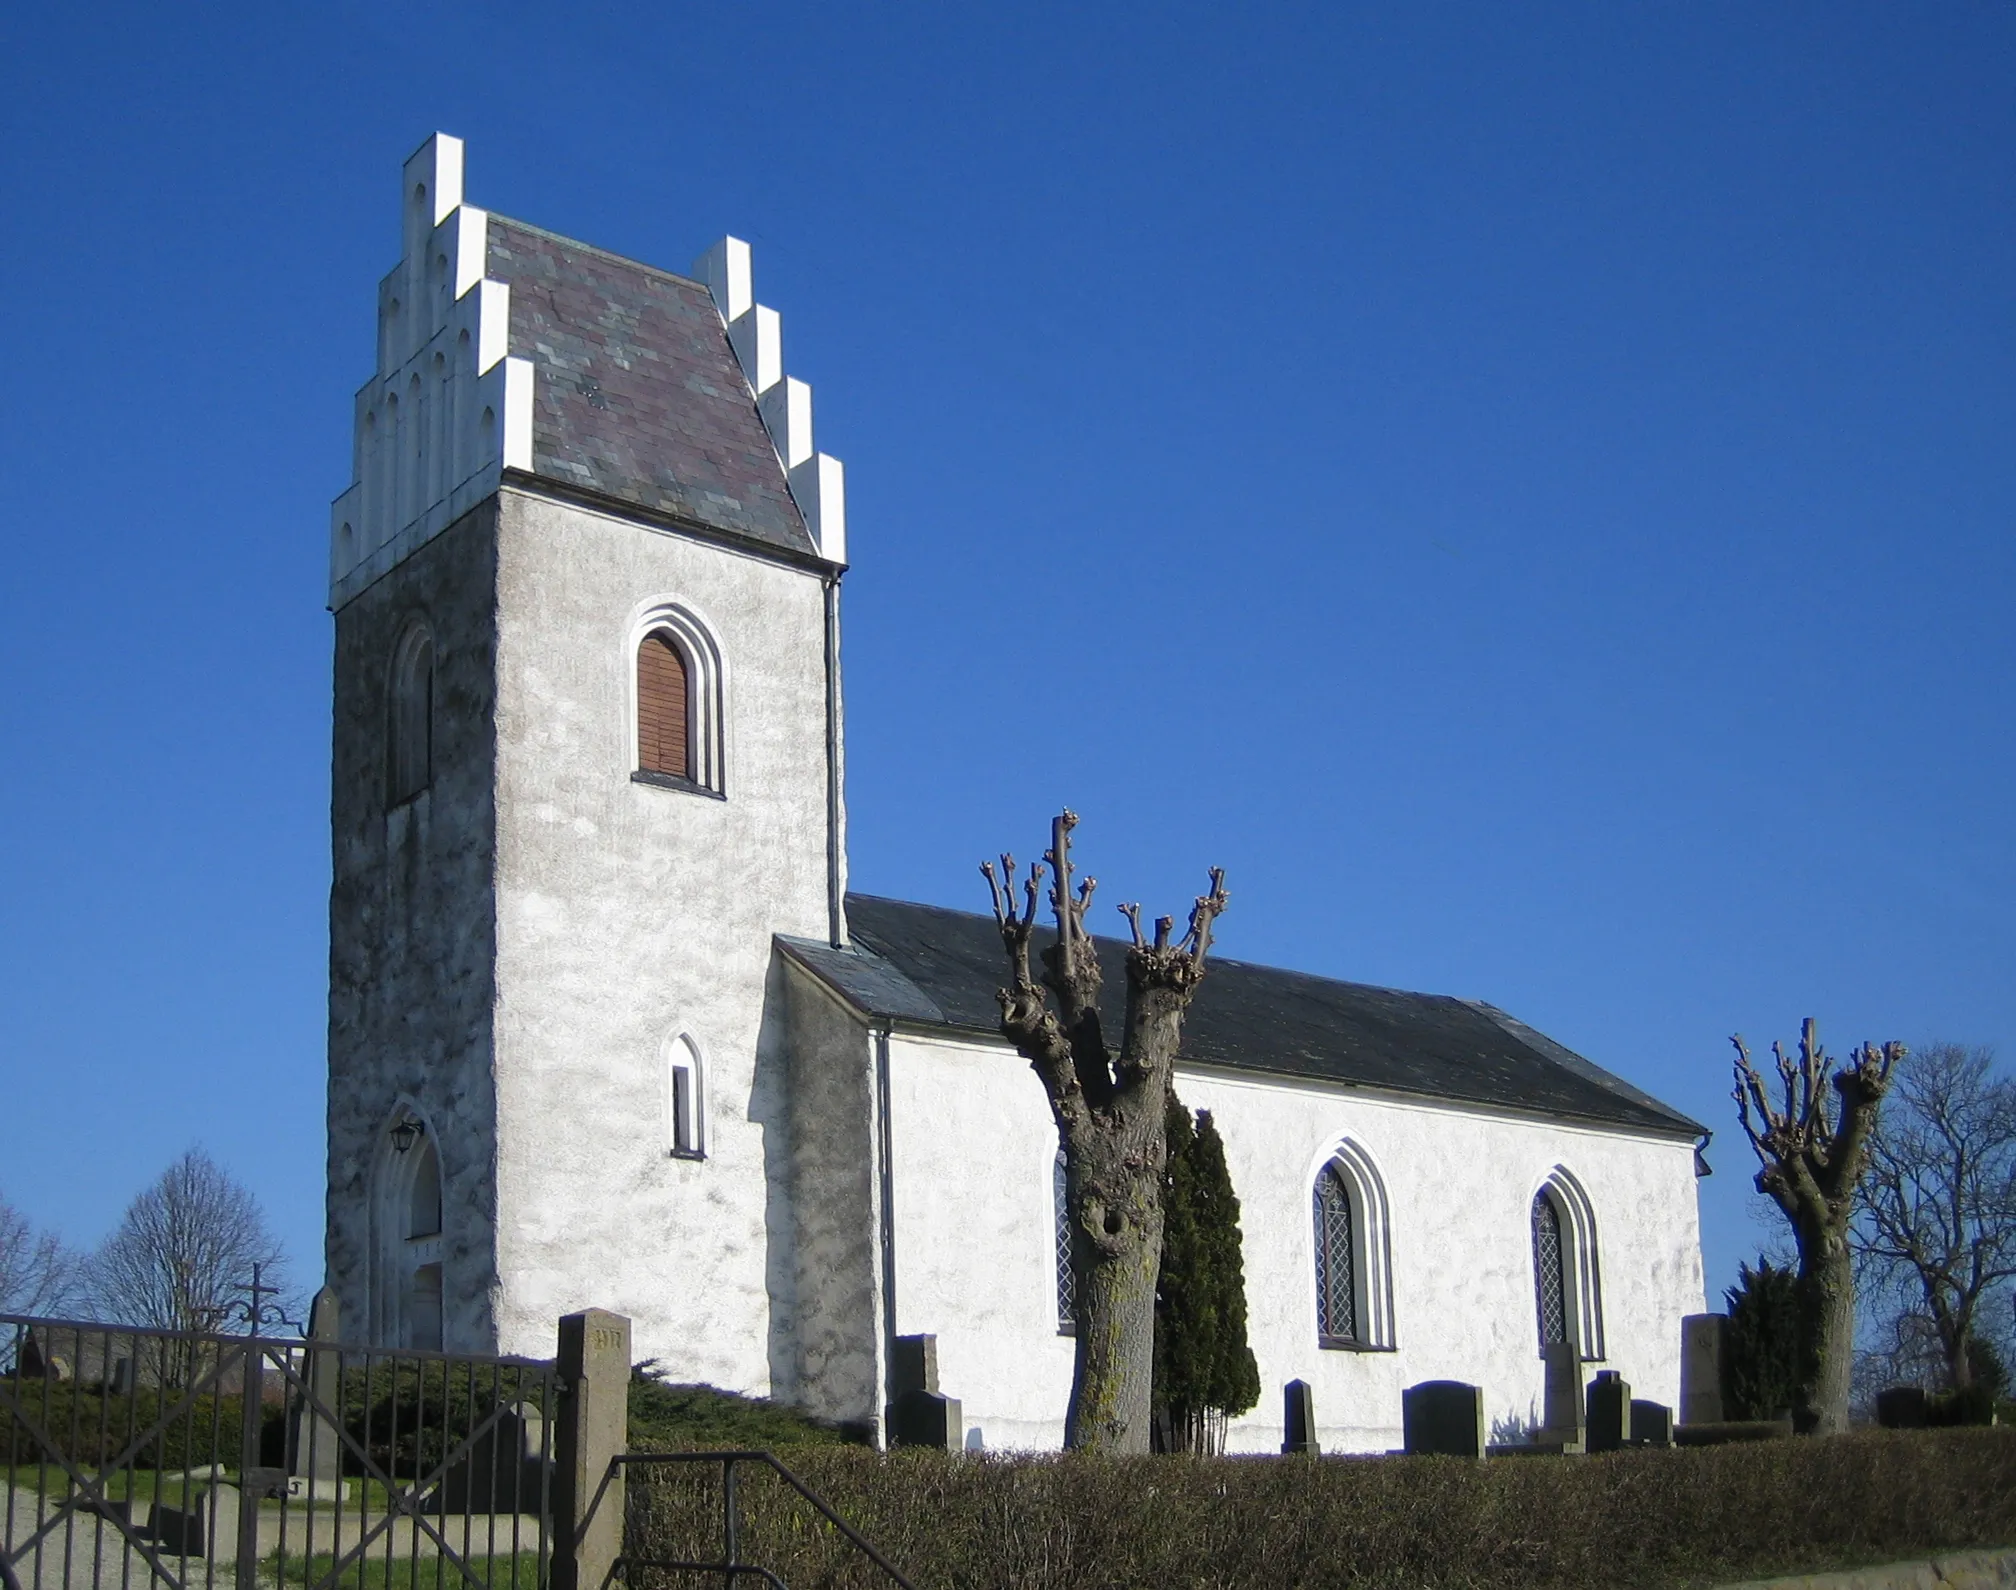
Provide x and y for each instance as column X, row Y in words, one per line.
column 587, row 762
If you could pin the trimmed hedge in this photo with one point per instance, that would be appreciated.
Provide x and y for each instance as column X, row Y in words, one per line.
column 1682, row 1517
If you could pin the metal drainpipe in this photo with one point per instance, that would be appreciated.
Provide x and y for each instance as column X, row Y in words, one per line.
column 836, row 911
column 885, row 1150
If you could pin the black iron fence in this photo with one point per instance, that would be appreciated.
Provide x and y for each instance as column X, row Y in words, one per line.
column 181, row 1459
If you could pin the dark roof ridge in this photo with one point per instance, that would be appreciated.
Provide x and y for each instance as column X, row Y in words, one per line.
column 606, row 253
column 1114, row 941
column 942, row 966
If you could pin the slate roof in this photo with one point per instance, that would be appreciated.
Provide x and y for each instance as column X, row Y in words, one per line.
column 639, row 396
column 923, row 964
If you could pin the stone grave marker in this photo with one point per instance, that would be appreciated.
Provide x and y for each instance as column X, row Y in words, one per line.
column 1298, row 1419
column 921, row 1415
column 506, row 1469
column 314, row 1448
column 1703, row 1343
column 1609, row 1428
column 1651, row 1423
column 206, row 1527
column 1565, row 1404
column 1445, row 1417
column 1902, row 1408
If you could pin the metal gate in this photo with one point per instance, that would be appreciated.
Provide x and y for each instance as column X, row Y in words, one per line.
column 140, row 1458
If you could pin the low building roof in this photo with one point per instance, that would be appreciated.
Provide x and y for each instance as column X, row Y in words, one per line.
column 925, row 965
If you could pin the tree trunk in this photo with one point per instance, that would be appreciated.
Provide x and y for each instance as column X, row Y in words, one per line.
column 1827, row 1336
column 1113, row 1372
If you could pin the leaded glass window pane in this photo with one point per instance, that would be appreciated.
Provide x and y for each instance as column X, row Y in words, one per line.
column 1549, row 1285
column 1336, row 1270
column 1067, row 1286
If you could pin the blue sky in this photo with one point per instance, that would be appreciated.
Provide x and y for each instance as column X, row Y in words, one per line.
column 1526, row 489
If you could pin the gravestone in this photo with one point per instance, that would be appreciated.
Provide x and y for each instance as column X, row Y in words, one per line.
column 314, row 1448
column 38, row 1361
column 1609, row 1427
column 925, row 1418
column 1902, row 1408
column 506, row 1469
column 920, row 1415
column 1564, row 1399
column 1651, row 1423
column 1298, row 1419
column 1703, row 1344
column 1444, row 1417
column 207, row 1526
column 913, row 1364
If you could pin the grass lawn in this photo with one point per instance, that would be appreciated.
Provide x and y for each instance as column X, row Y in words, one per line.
column 519, row 1572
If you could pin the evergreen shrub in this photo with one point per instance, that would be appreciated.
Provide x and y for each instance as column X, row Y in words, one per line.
column 1760, row 1372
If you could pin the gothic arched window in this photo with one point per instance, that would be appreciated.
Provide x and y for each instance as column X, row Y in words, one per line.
column 1550, row 1282
column 1567, row 1282
column 664, row 708
column 409, row 758
column 1353, row 1251
column 1067, row 1284
column 1336, row 1260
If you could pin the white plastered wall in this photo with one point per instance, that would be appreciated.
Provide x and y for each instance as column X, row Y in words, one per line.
column 972, row 1150
column 629, row 913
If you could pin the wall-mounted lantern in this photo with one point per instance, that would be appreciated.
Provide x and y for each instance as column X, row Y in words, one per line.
column 407, row 1133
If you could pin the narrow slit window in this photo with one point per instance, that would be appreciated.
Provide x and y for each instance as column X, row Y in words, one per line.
column 1549, row 1279
column 410, row 733
column 664, row 708
column 1067, row 1285
column 683, row 1102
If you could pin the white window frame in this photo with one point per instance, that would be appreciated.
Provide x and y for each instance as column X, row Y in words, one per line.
column 685, row 1069
column 1581, row 1267
column 706, row 694
column 1372, row 1249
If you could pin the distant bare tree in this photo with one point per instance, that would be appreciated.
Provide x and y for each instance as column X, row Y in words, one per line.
column 1109, row 1102
column 183, row 1253
column 38, row 1273
column 1938, row 1207
column 1811, row 1157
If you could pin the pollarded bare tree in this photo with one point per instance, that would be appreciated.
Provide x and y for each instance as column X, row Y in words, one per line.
column 1938, row 1212
column 1812, row 1155
column 1109, row 1110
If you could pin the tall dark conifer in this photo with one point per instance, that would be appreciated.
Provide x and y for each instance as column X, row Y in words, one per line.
column 1204, row 1368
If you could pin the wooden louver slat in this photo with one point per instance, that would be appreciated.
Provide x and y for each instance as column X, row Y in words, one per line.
column 663, row 744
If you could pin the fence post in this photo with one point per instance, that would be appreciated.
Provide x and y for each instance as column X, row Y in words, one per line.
column 594, row 1370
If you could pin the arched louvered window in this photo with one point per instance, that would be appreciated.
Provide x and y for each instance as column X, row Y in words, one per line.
column 409, row 760
column 1550, row 1278
column 1336, row 1260
column 1067, row 1285
column 664, row 708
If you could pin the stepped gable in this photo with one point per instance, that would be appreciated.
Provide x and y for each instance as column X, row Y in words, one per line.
column 926, row 965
